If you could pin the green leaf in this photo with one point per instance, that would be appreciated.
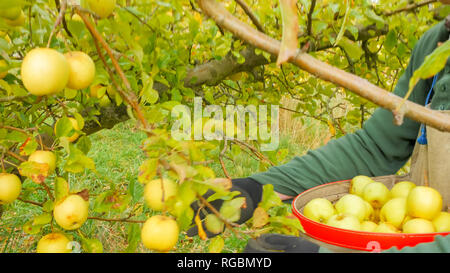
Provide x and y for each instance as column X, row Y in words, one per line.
column 63, row 127
column 147, row 171
column 391, row 40
column 216, row 244
column 231, row 209
column 344, row 23
column 48, row 206
column 432, row 64
column 353, row 49
column 42, row 219
column 77, row 161
column 30, row 147
column 269, row 198
column 92, row 245
column 111, row 200
column 33, row 170
column 84, row 144
column 61, row 188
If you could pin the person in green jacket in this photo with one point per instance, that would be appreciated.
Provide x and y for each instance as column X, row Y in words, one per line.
column 379, row 148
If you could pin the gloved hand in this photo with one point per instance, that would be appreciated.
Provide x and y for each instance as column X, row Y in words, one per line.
column 248, row 188
column 272, row 242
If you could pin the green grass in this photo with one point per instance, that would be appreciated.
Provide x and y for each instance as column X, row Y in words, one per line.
column 117, row 156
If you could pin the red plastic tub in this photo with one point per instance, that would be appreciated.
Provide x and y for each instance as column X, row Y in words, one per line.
column 359, row 240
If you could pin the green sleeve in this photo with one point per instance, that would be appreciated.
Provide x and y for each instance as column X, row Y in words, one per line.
column 441, row 244
column 379, row 148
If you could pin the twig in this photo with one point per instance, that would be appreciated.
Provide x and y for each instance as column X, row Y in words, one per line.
column 217, row 213
column 325, row 71
column 30, row 202
column 250, row 14
column 64, row 20
column 12, row 98
column 117, row 220
column 15, row 156
column 138, row 18
column 127, row 95
column 311, row 11
column 47, row 189
column 410, row 7
column 221, row 159
column 62, row 11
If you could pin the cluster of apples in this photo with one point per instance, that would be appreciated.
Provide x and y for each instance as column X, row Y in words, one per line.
column 70, row 213
column 159, row 232
column 370, row 206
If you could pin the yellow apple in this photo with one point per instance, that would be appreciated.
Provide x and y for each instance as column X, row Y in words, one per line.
column 11, row 13
column 358, row 183
column 368, row 226
column 402, row 189
column 19, row 21
column 44, row 157
column 418, row 225
column 352, row 204
column 344, row 221
column 44, row 71
column 54, row 243
column 424, row 202
column 442, row 222
column 10, row 187
column 377, row 194
column 3, row 65
column 153, row 193
column 384, row 227
column 319, row 210
column 103, row 8
column 71, row 212
column 81, row 70
column 160, row 233
column 394, row 211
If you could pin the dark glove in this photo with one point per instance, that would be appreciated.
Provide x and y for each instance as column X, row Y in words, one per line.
column 248, row 188
column 272, row 242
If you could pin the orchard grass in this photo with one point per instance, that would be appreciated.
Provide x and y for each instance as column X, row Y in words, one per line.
column 117, row 157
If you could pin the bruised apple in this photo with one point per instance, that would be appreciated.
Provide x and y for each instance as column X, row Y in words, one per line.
column 71, row 212
column 44, row 157
column 54, row 243
column 377, row 194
